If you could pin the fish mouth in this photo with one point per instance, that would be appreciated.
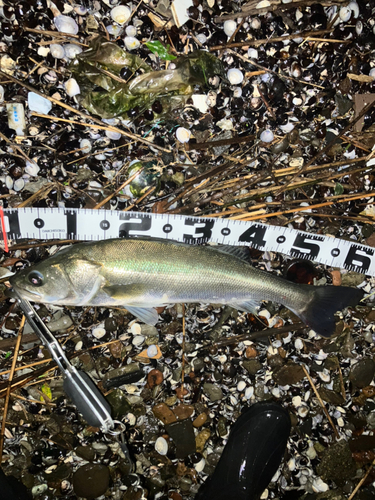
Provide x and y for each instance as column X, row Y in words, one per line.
column 28, row 294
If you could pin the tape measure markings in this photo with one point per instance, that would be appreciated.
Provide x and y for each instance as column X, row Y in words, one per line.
column 87, row 224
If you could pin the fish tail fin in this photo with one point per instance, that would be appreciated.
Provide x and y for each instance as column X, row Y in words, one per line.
column 325, row 302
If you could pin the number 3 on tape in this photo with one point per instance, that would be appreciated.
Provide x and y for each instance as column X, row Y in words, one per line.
column 82, row 224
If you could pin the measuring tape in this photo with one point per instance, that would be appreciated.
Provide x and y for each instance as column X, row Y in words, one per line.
column 89, row 225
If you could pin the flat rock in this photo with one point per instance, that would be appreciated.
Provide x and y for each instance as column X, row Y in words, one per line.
column 362, row 373
column 91, row 481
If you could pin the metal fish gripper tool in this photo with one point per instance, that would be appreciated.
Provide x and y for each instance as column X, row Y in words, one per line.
column 78, row 386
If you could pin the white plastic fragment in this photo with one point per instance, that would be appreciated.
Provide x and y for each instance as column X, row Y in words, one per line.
column 57, row 50
column 16, row 117
column 235, row 76
column 230, row 27
column 66, row 24
column 161, row 446
column 267, row 136
column 183, row 134
column 71, row 87
column 131, row 43
column 120, row 14
column 38, row 103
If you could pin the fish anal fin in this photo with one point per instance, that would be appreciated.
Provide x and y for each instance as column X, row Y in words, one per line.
column 149, row 316
column 248, row 306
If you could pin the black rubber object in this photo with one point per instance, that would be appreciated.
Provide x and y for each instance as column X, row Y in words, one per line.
column 252, row 455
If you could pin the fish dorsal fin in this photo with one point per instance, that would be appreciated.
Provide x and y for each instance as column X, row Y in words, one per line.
column 242, row 253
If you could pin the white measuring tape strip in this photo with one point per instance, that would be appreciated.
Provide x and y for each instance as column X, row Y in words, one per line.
column 83, row 224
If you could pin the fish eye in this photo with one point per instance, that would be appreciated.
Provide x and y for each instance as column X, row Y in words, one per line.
column 36, row 278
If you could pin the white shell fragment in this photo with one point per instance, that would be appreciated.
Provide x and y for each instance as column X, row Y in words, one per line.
column 131, row 43
column 179, row 11
column 98, row 332
column 38, row 103
column 131, row 30
column 241, row 385
column 235, row 76
column 267, row 136
column 85, row 145
column 252, row 53
column 72, row 87
column 71, row 50
column 161, row 446
column 66, row 24
column 345, row 14
column 32, row 168
column 230, row 27
column 183, row 134
column 120, row 14
column 353, row 6
column 138, row 340
column 115, row 136
column 57, row 50
column 19, row 184
column 152, row 351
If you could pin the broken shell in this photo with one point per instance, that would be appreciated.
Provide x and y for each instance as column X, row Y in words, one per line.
column 241, row 385
column 131, row 43
column 138, row 340
column 345, row 14
column 32, row 168
column 120, row 14
column 183, row 134
column 353, row 6
column 72, row 87
column 66, row 24
column 85, row 146
column 235, row 76
column 252, row 53
column 99, row 332
column 161, row 446
column 57, row 51
column 131, row 30
column 71, row 50
column 267, row 136
column 80, row 10
column 230, row 27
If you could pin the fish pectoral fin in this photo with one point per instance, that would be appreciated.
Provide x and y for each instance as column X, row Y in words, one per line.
column 149, row 316
column 248, row 306
column 126, row 293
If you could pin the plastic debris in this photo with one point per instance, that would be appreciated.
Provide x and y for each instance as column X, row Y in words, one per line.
column 38, row 103
column 16, row 117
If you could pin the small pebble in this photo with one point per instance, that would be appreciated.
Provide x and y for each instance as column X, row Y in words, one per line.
column 200, row 420
column 252, row 53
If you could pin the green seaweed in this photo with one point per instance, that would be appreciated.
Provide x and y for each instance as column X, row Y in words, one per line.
column 158, row 48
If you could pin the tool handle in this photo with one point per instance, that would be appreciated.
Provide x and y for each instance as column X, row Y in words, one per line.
column 89, row 401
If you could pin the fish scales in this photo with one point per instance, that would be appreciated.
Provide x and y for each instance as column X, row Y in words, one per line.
column 141, row 274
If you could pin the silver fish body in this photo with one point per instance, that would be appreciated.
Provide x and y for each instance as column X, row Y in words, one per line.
column 141, row 274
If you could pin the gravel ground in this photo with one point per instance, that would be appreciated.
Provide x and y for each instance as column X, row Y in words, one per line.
column 271, row 121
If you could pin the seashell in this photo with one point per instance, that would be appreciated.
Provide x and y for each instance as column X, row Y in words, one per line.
column 114, row 29
column 71, row 50
column 138, row 340
column 131, row 30
column 235, row 76
column 161, row 446
column 120, row 14
column 267, row 136
column 115, row 136
column 200, row 465
column 57, row 50
column 66, row 24
column 71, row 87
column 32, row 168
column 353, row 6
column 131, row 43
column 152, row 351
column 252, row 53
column 9, row 182
column 135, row 328
column 80, row 10
column 345, row 14
column 241, row 386
column 183, row 134
column 85, row 145
column 372, row 73
column 1, row 93
column 298, row 344
column 237, row 92
column 99, row 332
column 230, row 27
column 249, row 392
column 201, row 37
column 255, row 23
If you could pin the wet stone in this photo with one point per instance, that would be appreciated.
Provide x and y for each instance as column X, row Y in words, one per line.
column 222, row 427
column 171, row 401
column 370, row 317
column 352, row 279
column 362, row 373
column 201, row 439
column 200, row 420
column 85, row 452
column 198, row 364
column 182, row 434
column 91, row 481
column 183, row 411
column 213, row 392
column 337, row 463
column 275, row 361
column 119, row 404
column 163, row 413
column 331, row 396
column 362, row 443
column 252, row 366
column 289, row 374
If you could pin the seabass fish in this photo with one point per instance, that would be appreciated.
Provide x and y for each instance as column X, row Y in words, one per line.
column 143, row 274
